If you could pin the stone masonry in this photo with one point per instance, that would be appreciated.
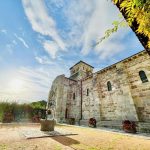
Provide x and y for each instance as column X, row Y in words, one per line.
column 115, row 93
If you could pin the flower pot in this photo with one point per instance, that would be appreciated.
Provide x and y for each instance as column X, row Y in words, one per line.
column 129, row 126
column 92, row 122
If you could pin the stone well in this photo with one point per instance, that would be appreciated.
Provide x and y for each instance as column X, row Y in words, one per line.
column 47, row 125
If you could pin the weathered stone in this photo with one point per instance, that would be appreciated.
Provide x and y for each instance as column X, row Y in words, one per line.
column 86, row 94
column 47, row 125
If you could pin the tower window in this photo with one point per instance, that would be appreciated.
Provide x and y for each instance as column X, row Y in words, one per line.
column 74, row 96
column 87, row 92
column 109, row 86
column 143, row 76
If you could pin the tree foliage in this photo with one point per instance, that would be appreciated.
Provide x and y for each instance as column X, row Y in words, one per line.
column 136, row 10
column 18, row 110
column 39, row 104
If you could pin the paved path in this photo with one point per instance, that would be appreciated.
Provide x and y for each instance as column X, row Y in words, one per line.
column 121, row 132
column 85, row 138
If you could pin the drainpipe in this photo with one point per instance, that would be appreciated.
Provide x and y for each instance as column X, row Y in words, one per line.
column 81, row 102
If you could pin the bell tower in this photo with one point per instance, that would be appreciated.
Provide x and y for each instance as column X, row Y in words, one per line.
column 80, row 70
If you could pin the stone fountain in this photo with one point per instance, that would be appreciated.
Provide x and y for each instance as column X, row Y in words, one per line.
column 49, row 122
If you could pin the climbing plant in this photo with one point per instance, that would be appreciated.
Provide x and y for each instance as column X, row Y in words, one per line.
column 135, row 10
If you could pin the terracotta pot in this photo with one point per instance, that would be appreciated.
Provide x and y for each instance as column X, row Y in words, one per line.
column 92, row 122
column 129, row 126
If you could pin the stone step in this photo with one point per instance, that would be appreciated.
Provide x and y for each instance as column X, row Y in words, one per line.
column 144, row 127
column 83, row 122
column 110, row 124
column 141, row 126
column 25, row 120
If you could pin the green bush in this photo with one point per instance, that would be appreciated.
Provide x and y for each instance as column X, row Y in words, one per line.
column 12, row 111
column 4, row 108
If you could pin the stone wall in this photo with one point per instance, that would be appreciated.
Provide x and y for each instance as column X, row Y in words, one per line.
column 73, row 101
column 91, row 103
column 128, row 98
column 140, row 91
column 66, row 105
column 118, row 103
column 80, row 71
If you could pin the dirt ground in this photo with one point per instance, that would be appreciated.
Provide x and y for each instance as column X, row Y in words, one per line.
column 86, row 139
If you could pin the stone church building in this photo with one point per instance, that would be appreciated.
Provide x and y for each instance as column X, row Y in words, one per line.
column 118, row 92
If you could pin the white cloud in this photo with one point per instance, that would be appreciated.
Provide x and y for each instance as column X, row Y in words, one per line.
column 44, row 60
column 35, row 82
column 43, row 23
column 3, row 31
column 57, row 3
column 111, row 46
column 21, row 40
column 14, row 42
column 88, row 21
column 9, row 48
column 51, row 48
column 85, row 21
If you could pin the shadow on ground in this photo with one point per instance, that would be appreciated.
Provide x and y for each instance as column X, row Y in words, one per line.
column 67, row 141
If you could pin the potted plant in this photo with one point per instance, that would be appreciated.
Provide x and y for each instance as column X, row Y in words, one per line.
column 8, row 117
column 129, row 126
column 92, row 122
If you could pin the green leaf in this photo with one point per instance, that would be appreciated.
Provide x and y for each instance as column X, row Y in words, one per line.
column 115, row 23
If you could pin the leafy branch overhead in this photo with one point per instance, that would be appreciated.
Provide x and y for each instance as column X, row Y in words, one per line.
column 116, row 26
column 135, row 10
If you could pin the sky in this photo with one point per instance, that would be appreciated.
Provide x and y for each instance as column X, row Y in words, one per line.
column 40, row 39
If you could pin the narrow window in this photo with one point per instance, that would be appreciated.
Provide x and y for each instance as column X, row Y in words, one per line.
column 87, row 92
column 66, row 113
column 74, row 96
column 109, row 86
column 143, row 76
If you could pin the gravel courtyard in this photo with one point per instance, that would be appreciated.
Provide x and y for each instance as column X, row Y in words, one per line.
column 11, row 138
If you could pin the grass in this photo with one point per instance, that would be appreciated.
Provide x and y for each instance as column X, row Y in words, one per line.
column 3, row 147
column 57, row 147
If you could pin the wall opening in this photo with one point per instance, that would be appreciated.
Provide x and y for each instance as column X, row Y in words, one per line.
column 109, row 86
column 87, row 92
column 143, row 76
column 74, row 96
column 66, row 113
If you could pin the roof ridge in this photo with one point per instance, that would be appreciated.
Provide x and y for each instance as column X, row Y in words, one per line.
column 80, row 62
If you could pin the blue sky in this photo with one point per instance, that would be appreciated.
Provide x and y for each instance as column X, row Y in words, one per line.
column 40, row 39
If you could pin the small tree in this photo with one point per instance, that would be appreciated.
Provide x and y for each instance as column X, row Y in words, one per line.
column 137, row 15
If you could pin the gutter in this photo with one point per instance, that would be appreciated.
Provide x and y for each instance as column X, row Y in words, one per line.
column 81, row 102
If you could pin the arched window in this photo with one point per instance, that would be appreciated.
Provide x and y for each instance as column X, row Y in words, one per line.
column 143, row 76
column 109, row 86
column 87, row 92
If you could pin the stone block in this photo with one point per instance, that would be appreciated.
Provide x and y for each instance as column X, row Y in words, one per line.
column 47, row 125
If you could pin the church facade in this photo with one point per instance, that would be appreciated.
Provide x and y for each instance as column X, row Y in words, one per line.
column 116, row 93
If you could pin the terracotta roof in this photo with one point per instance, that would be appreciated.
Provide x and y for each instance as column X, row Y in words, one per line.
column 81, row 62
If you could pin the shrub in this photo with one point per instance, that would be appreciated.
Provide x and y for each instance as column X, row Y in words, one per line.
column 92, row 122
column 129, row 126
column 15, row 112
